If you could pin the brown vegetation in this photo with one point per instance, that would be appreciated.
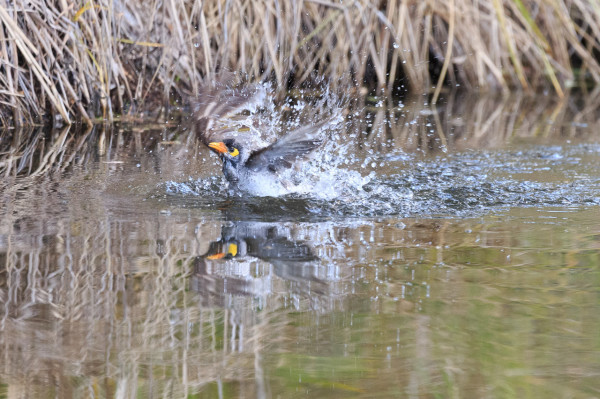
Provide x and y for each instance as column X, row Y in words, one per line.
column 89, row 59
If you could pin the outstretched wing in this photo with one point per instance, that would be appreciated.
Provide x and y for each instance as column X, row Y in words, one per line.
column 282, row 154
column 213, row 103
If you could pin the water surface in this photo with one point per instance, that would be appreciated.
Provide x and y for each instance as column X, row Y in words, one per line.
column 445, row 252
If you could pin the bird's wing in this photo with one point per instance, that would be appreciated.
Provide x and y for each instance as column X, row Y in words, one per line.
column 213, row 103
column 283, row 153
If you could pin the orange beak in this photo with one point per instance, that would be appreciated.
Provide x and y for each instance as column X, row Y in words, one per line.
column 219, row 147
column 232, row 250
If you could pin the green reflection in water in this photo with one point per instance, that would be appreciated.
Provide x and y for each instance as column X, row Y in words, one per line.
column 515, row 316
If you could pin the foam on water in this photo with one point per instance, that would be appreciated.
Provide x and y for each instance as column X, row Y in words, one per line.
column 462, row 185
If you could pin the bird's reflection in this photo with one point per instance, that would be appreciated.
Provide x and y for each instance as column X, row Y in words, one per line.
column 244, row 260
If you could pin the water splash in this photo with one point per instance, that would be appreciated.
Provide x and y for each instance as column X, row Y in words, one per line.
column 344, row 180
column 461, row 185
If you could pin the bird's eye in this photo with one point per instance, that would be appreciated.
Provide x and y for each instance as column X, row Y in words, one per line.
column 234, row 152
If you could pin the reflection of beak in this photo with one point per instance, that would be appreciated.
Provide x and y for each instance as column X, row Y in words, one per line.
column 219, row 147
column 232, row 250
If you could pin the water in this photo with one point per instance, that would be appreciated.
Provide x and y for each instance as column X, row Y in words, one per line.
column 440, row 253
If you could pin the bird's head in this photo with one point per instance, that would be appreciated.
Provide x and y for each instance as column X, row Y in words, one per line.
column 227, row 150
column 232, row 155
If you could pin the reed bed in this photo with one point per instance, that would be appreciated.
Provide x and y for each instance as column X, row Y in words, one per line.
column 84, row 60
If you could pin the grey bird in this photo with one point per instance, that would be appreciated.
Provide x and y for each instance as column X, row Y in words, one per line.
column 247, row 160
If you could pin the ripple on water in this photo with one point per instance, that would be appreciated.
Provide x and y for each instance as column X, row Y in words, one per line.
column 460, row 185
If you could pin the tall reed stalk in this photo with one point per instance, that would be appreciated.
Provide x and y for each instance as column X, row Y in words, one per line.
column 90, row 59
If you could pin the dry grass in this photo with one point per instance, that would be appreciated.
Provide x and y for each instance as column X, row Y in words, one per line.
column 90, row 59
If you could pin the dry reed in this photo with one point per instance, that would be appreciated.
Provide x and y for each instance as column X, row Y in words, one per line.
column 88, row 60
